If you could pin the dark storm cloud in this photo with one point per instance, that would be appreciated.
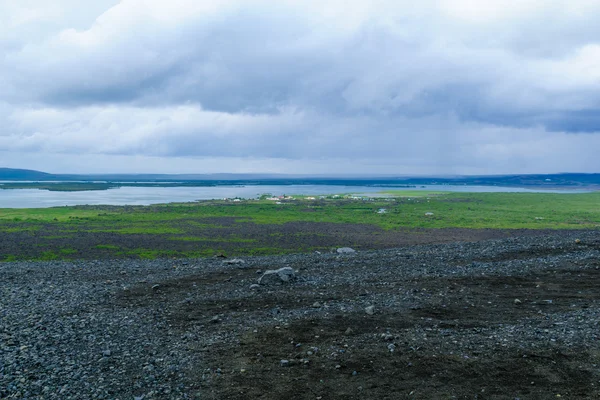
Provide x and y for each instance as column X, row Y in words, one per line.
column 443, row 84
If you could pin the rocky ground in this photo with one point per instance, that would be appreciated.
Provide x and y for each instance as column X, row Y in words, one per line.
column 513, row 318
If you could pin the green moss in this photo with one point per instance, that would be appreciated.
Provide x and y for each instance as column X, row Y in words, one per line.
column 107, row 247
column 150, row 254
column 211, row 240
column 144, row 230
column 48, row 256
column 68, row 251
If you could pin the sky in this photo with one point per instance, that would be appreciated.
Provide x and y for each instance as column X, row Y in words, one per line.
column 323, row 87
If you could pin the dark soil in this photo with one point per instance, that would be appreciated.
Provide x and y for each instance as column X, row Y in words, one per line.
column 231, row 236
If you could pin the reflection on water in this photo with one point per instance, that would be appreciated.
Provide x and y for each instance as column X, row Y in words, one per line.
column 34, row 198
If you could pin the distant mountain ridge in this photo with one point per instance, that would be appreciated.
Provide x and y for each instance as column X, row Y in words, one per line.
column 533, row 180
column 23, row 174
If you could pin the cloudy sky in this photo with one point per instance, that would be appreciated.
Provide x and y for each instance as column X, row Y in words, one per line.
column 300, row 86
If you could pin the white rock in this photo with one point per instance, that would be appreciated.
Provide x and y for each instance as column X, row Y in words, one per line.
column 234, row 261
column 345, row 250
column 276, row 276
column 370, row 310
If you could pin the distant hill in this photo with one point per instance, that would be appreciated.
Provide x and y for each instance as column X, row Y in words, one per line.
column 571, row 180
column 9, row 174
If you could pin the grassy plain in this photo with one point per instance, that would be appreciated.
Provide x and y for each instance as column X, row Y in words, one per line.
column 207, row 227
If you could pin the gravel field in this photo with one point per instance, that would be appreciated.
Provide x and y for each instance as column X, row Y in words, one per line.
column 514, row 318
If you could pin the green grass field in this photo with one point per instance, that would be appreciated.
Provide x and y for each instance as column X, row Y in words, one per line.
column 188, row 223
column 472, row 210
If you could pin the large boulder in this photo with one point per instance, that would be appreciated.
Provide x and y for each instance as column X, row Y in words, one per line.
column 277, row 276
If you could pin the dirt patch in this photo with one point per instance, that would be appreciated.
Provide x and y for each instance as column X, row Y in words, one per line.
column 232, row 236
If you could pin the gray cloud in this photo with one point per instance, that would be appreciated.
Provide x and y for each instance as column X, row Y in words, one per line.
column 448, row 86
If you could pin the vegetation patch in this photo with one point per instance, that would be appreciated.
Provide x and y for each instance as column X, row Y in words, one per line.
column 107, row 247
column 264, row 227
column 212, row 240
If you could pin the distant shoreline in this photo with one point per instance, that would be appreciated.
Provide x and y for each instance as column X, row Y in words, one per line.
column 82, row 186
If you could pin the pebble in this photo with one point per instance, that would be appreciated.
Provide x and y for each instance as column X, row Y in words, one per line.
column 234, row 261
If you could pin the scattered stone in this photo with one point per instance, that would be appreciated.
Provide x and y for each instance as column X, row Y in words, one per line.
column 254, row 286
column 428, row 214
column 276, row 276
column 154, row 287
column 58, row 333
column 215, row 319
column 316, row 304
column 577, row 241
column 370, row 310
column 284, row 363
column 345, row 250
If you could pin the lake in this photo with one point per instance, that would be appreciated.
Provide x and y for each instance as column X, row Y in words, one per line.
column 35, row 198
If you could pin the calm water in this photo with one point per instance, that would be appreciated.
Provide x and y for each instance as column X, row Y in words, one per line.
column 34, row 198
